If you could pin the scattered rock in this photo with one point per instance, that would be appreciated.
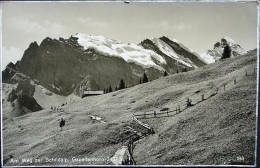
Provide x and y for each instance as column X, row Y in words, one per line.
column 165, row 109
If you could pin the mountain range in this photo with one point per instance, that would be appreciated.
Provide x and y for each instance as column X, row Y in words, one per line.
column 68, row 67
column 205, row 116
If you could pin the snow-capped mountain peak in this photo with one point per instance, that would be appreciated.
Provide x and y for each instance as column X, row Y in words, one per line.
column 167, row 50
column 172, row 39
column 129, row 52
column 177, row 51
column 215, row 54
column 164, row 47
column 228, row 40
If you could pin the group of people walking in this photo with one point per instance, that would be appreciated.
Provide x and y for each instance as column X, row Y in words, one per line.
column 56, row 108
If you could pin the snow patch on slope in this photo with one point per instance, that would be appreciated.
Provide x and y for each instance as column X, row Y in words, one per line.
column 229, row 40
column 184, row 63
column 208, row 58
column 167, row 50
column 46, row 98
column 129, row 52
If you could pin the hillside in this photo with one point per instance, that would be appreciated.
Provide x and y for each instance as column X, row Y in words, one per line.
column 217, row 131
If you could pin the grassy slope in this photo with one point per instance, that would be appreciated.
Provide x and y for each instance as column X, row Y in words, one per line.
column 214, row 131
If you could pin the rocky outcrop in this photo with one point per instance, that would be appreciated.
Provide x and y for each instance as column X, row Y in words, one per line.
column 18, row 98
column 8, row 73
column 216, row 53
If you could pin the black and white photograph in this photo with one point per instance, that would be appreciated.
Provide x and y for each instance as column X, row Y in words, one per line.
column 117, row 83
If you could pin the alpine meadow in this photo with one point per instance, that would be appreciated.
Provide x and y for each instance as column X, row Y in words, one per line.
column 117, row 83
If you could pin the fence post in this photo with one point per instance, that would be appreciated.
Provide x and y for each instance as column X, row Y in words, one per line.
column 216, row 90
column 122, row 138
column 202, row 97
column 188, row 102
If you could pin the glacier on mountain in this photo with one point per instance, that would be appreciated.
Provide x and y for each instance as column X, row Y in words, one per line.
column 129, row 52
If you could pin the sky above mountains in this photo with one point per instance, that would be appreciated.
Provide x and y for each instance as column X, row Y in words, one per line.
column 197, row 25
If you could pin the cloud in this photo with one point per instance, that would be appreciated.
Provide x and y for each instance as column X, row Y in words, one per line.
column 29, row 26
column 20, row 31
column 55, row 28
column 11, row 54
column 25, row 25
column 169, row 26
column 84, row 20
column 91, row 22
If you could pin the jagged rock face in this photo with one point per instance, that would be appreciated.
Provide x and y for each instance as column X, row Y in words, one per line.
column 183, row 51
column 177, row 56
column 21, row 97
column 63, row 66
column 172, row 65
column 85, row 84
column 217, row 45
column 8, row 73
column 216, row 53
column 24, row 92
column 18, row 94
column 60, row 65
column 26, row 100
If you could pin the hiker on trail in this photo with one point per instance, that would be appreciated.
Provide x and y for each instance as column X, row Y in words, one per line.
column 62, row 123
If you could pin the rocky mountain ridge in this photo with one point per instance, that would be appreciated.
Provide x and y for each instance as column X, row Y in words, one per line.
column 61, row 65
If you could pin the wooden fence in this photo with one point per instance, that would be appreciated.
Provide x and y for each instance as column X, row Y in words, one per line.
column 166, row 112
column 142, row 124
